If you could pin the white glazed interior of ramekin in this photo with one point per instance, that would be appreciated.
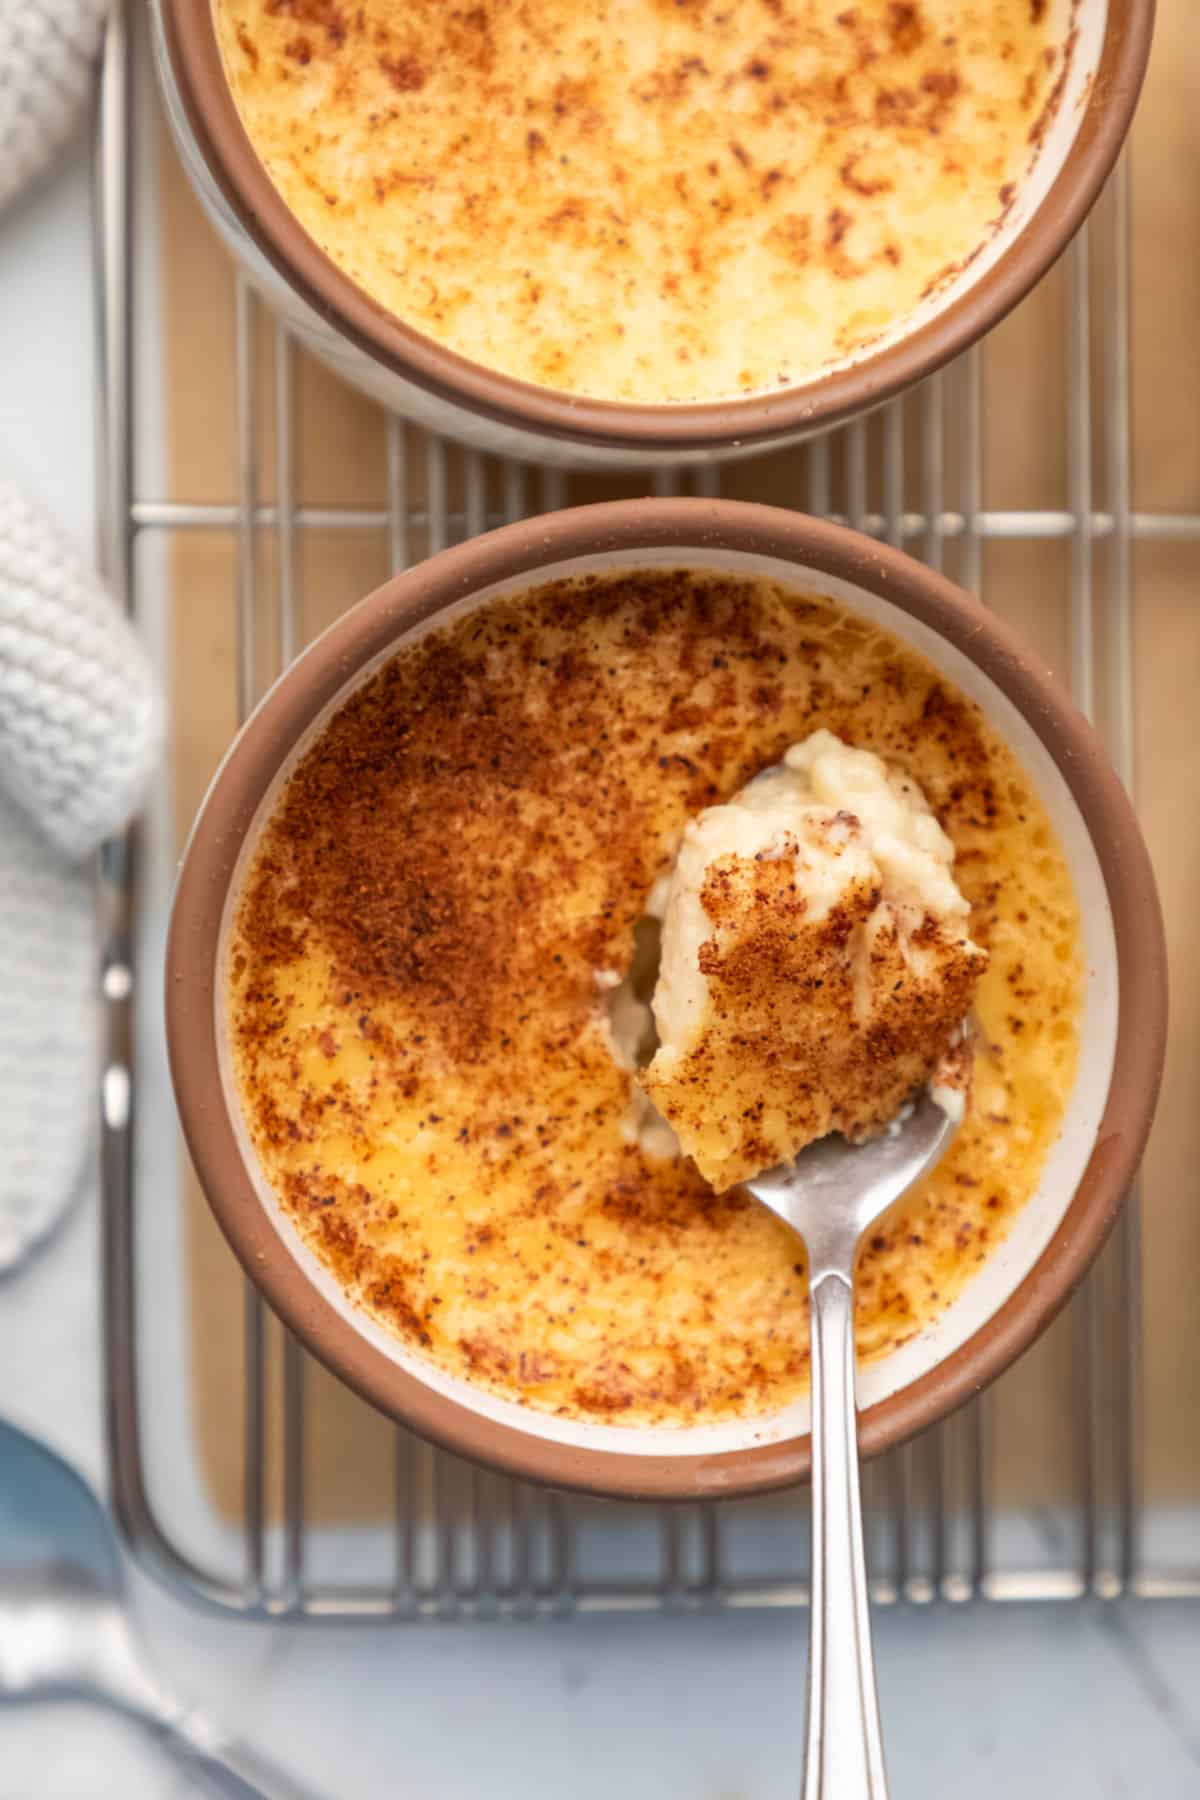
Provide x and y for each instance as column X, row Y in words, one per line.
column 1009, row 1264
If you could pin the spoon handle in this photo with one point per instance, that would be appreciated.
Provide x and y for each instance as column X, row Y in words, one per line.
column 844, row 1753
column 218, row 1762
column 224, row 1766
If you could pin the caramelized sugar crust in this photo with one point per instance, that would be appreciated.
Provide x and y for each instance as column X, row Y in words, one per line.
column 646, row 200
column 420, row 1040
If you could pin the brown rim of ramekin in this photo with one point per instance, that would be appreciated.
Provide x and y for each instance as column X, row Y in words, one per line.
column 380, row 622
column 195, row 57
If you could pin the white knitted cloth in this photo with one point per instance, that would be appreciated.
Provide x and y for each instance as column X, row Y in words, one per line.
column 49, row 1032
column 80, row 724
column 80, row 727
column 47, row 48
column 78, row 709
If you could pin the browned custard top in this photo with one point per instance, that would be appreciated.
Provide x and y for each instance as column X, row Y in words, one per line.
column 420, row 1036
column 646, row 200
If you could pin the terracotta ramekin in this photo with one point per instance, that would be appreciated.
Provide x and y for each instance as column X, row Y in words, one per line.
column 1027, row 1278
column 1108, row 40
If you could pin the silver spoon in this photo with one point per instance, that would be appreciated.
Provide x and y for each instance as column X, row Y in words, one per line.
column 65, row 1628
column 831, row 1194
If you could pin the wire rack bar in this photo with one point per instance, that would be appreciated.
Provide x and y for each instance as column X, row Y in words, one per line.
column 1120, row 711
column 929, row 527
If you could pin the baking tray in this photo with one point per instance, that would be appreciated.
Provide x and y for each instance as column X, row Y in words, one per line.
column 247, row 498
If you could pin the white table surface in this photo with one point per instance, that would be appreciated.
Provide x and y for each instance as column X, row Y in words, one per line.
column 980, row 1702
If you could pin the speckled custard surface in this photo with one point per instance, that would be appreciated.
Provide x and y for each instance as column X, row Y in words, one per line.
column 420, row 1038
column 646, row 200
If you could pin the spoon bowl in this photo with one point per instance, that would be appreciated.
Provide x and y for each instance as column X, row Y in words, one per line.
column 835, row 1190
column 65, row 1625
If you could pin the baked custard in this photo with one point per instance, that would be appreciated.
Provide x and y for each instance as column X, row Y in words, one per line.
column 647, row 201
column 816, row 967
column 423, row 952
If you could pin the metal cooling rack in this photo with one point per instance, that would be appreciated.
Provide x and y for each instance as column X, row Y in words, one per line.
column 465, row 1542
